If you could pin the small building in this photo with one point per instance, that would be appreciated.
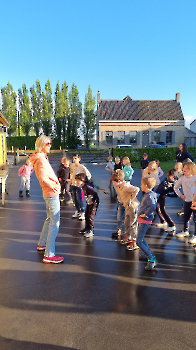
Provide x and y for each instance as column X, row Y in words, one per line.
column 3, row 144
column 190, row 138
column 193, row 125
column 139, row 122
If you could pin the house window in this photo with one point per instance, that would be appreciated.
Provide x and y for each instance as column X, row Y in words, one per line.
column 133, row 136
column 121, row 137
column 169, row 137
column 157, row 136
column 109, row 137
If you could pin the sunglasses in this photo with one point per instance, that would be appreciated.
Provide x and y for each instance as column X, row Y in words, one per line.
column 48, row 144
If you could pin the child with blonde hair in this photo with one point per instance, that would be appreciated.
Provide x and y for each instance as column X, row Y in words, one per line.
column 145, row 217
column 179, row 167
column 159, row 170
column 127, row 199
column 127, row 169
column 25, row 172
column 188, row 183
column 151, row 171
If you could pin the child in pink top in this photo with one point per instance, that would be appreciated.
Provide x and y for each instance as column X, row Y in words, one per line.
column 25, row 172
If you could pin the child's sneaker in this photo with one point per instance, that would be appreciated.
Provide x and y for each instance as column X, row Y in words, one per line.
column 143, row 257
column 53, row 259
column 88, row 234
column 161, row 225
column 41, row 247
column 180, row 213
column 69, row 201
column 132, row 246
column 84, row 230
column 82, row 216
column 151, row 264
column 171, row 230
column 192, row 240
column 194, row 246
column 76, row 215
column 116, row 233
column 125, row 241
column 182, row 234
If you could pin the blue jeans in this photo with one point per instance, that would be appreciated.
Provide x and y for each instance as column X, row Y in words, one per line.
column 51, row 225
column 77, row 197
column 141, row 242
column 120, row 215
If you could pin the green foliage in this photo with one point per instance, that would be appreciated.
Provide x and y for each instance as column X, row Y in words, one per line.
column 135, row 155
column 47, row 109
column 21, row 141
column 73, row 118
column 25, row 111
column 89, row 117
column 36, row 106
column 9, row 107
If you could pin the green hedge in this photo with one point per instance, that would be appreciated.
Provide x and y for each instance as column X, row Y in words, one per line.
column 28, row 141
column 162, row 154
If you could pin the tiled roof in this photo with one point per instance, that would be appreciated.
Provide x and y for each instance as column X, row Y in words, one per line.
column 128, row 109
column 3, row 121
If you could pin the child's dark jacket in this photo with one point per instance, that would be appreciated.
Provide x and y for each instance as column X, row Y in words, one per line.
column 90, row 194
column 144, row 163
column 166, row 189
column 63, row 173
column 148, row 207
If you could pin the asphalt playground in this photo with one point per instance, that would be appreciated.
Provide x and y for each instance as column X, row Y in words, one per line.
column 100, row 298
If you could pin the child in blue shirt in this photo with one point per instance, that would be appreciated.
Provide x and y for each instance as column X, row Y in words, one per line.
column 145, row 217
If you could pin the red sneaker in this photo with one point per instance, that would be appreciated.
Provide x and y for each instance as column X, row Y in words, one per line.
column 41, row 247
column 53, row 259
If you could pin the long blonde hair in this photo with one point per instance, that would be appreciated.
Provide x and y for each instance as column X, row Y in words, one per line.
column 153, row 166
column 191, row 166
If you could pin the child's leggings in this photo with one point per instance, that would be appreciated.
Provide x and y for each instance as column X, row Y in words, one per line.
column 187, row 215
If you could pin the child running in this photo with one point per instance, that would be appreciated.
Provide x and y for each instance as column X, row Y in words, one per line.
column 92, row 201
column 63, row 174
column 188, row 182
column 145, row 217
column 166, row 189
column 126, row 196
column 77, row 168
column 127, row 169
column 25, row 172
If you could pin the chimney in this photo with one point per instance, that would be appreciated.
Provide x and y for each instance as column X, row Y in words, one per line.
column 178, row 97
column 98, row 98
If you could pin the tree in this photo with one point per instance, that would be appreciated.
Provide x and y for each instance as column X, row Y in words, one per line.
column 9, row 107
column 61, row 110
column 36, row 103
column 73, row 118
column 89, row 123
column 47, row 109
column 25, row 111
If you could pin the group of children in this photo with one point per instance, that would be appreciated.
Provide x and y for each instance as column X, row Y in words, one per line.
column 138, row 217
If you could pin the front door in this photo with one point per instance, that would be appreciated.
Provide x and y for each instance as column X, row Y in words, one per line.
column 145, row 138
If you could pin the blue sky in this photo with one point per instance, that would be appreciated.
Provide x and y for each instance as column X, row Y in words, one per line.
column 142, row 48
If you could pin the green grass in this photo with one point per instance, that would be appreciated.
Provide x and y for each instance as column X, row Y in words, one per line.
column 165, row 166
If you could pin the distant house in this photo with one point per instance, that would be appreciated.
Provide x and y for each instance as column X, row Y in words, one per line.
column 193, row 126
column 190, row 138
column 3, row 145
column 139, row 122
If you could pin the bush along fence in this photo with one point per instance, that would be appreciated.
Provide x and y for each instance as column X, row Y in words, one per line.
column 162, row 154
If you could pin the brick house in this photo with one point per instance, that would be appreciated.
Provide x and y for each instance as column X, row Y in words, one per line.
column 139, row 122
